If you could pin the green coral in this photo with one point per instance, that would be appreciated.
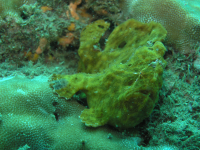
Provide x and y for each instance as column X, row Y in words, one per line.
column 122, row 81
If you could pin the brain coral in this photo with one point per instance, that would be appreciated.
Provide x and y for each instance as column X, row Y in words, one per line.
column 122, row 81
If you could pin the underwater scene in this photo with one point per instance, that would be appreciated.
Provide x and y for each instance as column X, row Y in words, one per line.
column 99, row 74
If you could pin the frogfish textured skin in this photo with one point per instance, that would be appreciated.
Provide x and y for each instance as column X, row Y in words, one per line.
column 122, row 81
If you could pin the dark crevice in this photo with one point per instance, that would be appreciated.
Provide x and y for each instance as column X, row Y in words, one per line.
column 56, row 116
column 100, row 26
column 122, row 44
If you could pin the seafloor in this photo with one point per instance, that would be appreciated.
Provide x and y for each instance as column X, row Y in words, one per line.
column 39, row 38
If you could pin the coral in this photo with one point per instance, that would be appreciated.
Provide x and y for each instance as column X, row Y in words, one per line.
column 11, row 7
column 71, row 27
column 182, row 29
column 45, row 9
column 25, row 147
column 83, row 13
column 66, row 40
column 105, row 7
column 42, row 45
column 32, row 57
column 73, row 7
column 27, row 113
column 122, row 81
column 196, row 63
column 176, row 119
column 32, row 116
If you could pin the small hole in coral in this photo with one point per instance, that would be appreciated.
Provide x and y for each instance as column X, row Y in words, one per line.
column 55, row 103
column 24, row 16
column 53, row 45
column 83, row 142
column 56, row 116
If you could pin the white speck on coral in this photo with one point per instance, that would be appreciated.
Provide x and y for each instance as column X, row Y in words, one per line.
column 21, row 91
